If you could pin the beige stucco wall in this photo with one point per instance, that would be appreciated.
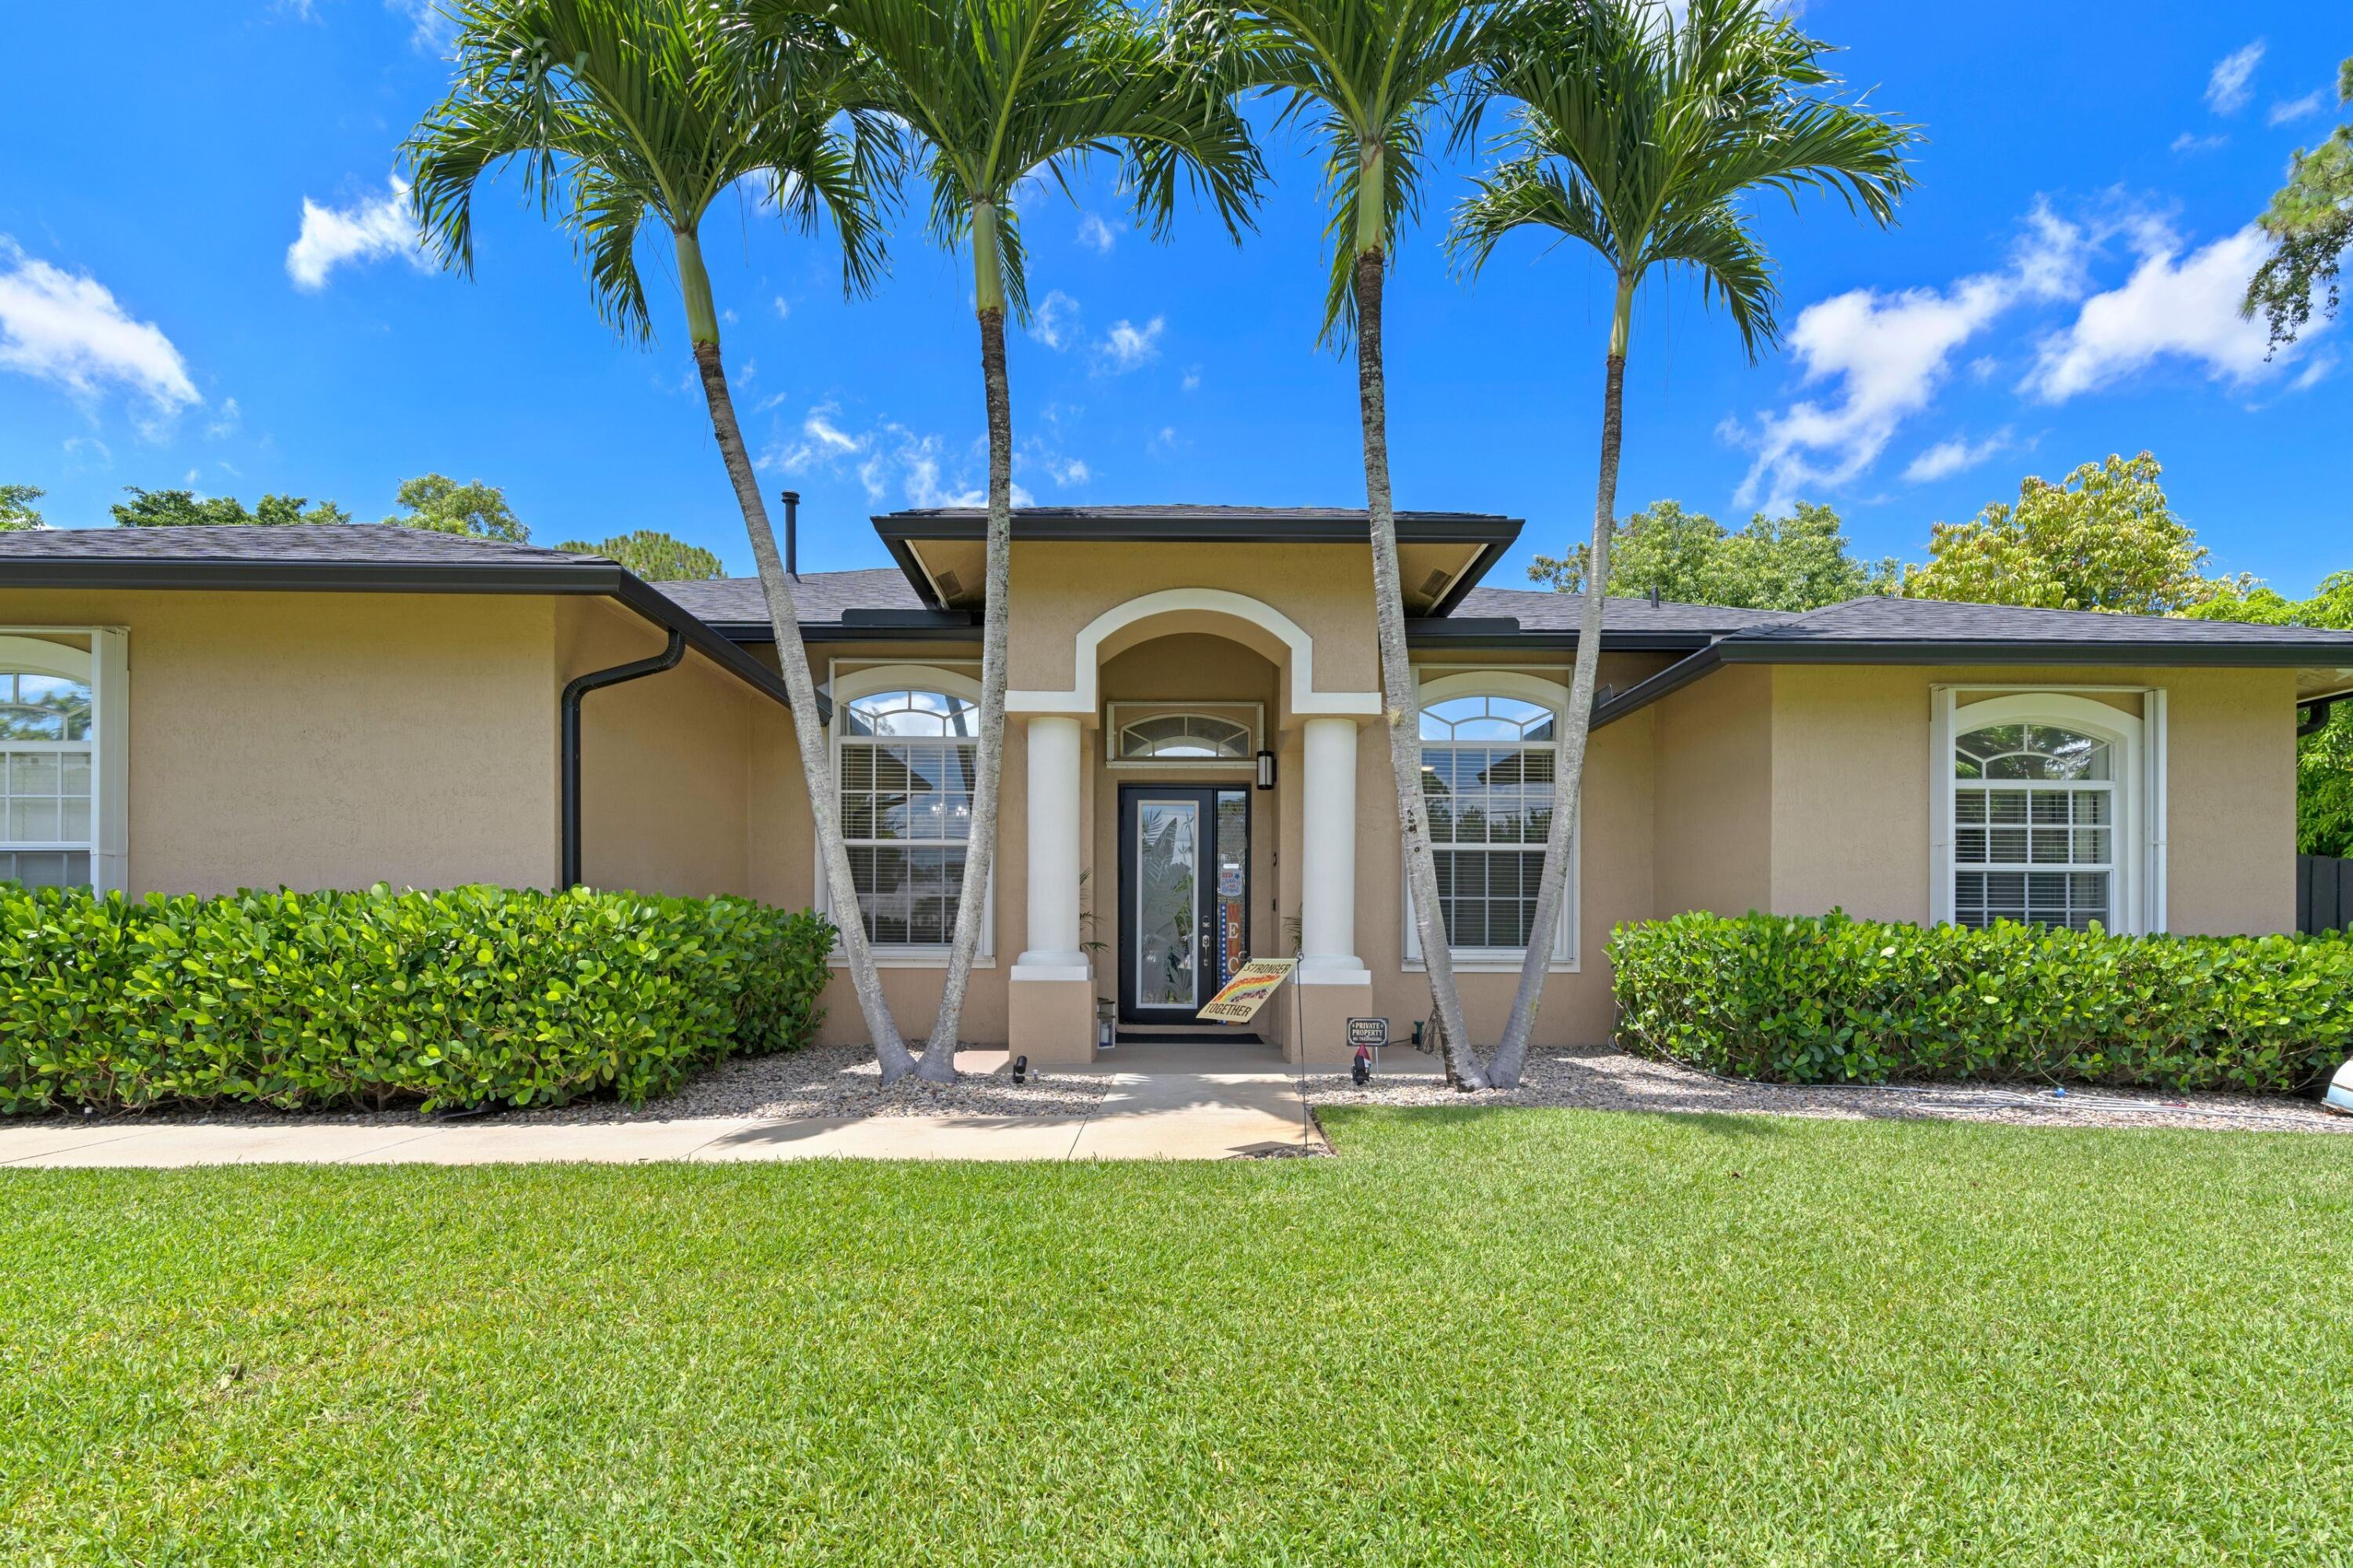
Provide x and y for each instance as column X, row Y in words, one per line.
column 330, row 740
column 664, row 760
column 1713, row 747
column 1326, row 589
column 1851, row 796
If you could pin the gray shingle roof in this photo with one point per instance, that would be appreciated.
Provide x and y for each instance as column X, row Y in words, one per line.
column 1537, row 610
column 820, row 597
column 343, row 544
column 1871, row 620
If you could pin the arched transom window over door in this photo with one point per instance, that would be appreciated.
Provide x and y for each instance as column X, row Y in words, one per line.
column 2047, row 808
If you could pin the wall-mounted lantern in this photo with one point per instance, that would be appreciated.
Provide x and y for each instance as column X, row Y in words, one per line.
column 1266, row 769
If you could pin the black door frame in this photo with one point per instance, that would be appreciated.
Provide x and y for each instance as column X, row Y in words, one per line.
column 1204, row 893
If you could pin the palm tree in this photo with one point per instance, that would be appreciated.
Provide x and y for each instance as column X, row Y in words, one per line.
column 621, row 111
column 1370, row 74
column 988, row 94
column 1642, row 138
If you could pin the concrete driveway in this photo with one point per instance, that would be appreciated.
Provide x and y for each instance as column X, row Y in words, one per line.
column 1163, row 1102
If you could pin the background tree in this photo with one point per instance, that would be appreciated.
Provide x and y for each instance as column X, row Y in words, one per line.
column 1369, row 76
column 2310, row 222
column 17, row 508
column 1794, row 563
column 1642, row 138
column 2323, row 760
column 478, row 511
column 992, row 93
column 619, row 111
column 184, row 509
column 2103, row 539
column 654, row 556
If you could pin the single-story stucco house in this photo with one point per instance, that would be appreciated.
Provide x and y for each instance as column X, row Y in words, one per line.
column 1194, row 772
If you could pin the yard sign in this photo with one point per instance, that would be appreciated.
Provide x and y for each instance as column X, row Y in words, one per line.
column 1252, row 983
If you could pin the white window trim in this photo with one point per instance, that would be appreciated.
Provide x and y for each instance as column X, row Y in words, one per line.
column 1120, row 714
column 107, row 667
column 1567, row 957
column 2140, row 793
column 843, row 690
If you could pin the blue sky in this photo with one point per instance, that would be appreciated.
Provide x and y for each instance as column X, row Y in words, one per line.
column 202, row 284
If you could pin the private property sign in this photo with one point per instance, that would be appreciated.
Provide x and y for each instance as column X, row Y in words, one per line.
column 1245, row 993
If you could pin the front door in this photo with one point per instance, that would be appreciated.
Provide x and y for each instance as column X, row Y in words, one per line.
column 1184, row 895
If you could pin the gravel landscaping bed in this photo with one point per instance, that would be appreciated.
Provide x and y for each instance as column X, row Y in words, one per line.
column 1613, row 1080
column 823, row 1080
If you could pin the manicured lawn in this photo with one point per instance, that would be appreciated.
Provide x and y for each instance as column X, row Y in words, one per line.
column 1515, row 1337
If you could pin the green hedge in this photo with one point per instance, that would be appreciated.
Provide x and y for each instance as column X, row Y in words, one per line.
column 473, row 996
column 1833, row 999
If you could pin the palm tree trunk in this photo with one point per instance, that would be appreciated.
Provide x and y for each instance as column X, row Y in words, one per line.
column 1401, row 705
column 783, row 621
column 980, row 851
column 1577, row 724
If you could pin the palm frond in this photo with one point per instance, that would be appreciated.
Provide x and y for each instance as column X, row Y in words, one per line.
column 1736, row 275
column 613, row 110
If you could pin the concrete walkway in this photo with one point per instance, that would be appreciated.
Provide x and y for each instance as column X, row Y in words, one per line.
column 1163, row 1102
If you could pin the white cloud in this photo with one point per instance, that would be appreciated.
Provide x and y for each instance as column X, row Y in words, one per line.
column 364, row 231
column 1888, row 354
column 2314, row 373
column 2191, row 142
column 68, row 328
column 227, row 421
column 887, row 457
column 783, row 310
column 430, row 26
column 1055, row 322
column 1950, row 457
column 2177, row 305
column 1192, row 382
column 1129, row 345
column 85, row 452
column 1067, row 471
column 2290, row 109
column 1096, row 235
column 2233, row 79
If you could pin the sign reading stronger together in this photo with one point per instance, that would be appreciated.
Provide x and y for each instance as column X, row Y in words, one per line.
column 1245, row 993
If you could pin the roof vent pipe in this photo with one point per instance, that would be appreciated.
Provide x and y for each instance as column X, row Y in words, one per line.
column 1654, row 596
column 792, row 500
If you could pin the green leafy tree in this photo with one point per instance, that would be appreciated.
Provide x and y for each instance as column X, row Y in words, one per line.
column 439, row 503
column 2103, row 539
column 1795, row 563
column 17, row 508
column 2310, row 222
column 1645, row 140
column 654, row 556
column 1368, row 76
column 992, row 93
column 2323, row 759
column 185, row 509
column 626, row 116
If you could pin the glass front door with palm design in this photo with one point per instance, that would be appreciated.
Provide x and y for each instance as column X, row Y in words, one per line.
column 1184, row 876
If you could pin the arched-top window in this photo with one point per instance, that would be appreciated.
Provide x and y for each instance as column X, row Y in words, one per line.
column 908, row 757
column 2044, row 816
column 47, row 762
column 1189, row 737
column 1487, row 775
column 910, row 712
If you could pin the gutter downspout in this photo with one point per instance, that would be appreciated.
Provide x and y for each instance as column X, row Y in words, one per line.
column 2319, row 719
column 569, row 761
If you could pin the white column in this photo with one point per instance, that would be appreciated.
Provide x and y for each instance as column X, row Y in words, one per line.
column 1328, row 895
column 1055, row 776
